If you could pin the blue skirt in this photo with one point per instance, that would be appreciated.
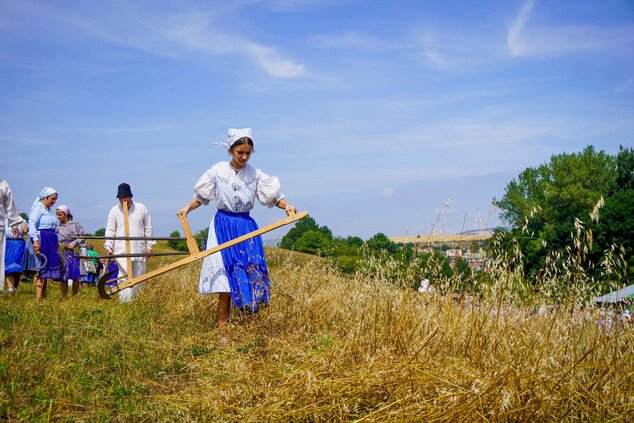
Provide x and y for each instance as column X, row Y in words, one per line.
column 52, row 269
column 30, row 262
column 71, row 265
column 112, row 267
column 244, row 262
column 13, row 253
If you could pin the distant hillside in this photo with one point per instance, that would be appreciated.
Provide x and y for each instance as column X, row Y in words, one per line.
column 442, row 238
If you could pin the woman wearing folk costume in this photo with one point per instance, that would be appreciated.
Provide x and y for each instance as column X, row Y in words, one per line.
column 67, row 228
column 8, row 212
column 42, row 225
column 14, row 255
column 238, row 273
column 140, row 225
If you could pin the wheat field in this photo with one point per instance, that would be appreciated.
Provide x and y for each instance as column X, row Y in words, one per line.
column 328, row 348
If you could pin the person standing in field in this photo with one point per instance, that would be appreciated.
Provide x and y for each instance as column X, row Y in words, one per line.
column 140, row 225
column 14, row 254
column 238, row 274
column 67, row 228
column 42, row 230
column 89, row 267
column 8, row 212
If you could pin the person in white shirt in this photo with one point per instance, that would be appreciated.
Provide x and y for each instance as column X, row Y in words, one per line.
column 9, row 212
column 140, row 225
column 238, row 274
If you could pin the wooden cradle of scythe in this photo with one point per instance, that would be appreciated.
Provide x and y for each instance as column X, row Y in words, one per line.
column 193, row 255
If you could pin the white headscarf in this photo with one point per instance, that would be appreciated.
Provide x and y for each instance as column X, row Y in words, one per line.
column 234, row 135
column 46, row 192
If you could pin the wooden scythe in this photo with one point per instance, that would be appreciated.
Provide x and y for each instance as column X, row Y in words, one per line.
column 106, row 293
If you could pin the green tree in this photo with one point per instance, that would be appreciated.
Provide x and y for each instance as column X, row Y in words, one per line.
column 545, row 201
column 556, row 192
column 625, row 169
column 100, row 232
column 616, row 227
column 313, row 242
column 177, row 244
column 289, row 241
column 381, row 242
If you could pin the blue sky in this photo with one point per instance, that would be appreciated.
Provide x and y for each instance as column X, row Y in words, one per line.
column 397, row 117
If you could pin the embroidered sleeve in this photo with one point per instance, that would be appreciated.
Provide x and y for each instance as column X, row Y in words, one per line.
column 268, row 189
column 205, row 188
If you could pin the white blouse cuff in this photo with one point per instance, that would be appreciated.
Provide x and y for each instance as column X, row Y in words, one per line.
column 201, row 200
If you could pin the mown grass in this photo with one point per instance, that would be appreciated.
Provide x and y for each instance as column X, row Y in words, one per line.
column 327, row 348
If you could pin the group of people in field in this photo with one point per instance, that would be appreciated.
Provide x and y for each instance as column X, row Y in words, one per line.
column 45, row 248
column 52, row 248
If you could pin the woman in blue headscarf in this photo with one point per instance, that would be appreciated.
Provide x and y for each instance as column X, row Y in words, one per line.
column 42, row 225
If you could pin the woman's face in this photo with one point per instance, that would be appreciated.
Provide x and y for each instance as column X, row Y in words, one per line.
column 61, row 216
column 49, row 201
column 241, row 154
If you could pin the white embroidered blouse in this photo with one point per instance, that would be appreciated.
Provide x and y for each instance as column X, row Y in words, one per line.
column 236, row 190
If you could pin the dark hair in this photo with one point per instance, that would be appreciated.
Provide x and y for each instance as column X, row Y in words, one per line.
column 242, row 141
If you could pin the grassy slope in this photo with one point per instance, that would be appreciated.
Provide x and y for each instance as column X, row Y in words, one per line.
column 327, row 348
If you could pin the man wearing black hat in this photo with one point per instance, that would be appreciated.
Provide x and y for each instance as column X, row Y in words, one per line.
column 140, row 225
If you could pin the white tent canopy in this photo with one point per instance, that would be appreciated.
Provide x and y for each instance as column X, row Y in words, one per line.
column 616, row 296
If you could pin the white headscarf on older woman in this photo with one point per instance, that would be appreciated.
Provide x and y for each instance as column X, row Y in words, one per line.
column 46, row 192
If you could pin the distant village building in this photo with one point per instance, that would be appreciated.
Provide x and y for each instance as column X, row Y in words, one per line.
column 475, row 260
column 453, row 254
column 423, row 249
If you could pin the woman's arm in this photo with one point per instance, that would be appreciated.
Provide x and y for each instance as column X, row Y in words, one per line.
column 34, row 217
column 79, row 232
column 194, row 204
column 288, row 208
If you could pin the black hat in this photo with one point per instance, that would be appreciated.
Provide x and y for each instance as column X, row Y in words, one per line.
column 124, row 190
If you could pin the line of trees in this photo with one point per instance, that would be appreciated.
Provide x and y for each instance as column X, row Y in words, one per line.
column 574, row 214
column 376, row 256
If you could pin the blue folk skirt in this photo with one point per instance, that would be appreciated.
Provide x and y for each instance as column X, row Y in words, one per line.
column 30, row 262
column 71, row 265
column 13, row 253
column 52, row 268
column 112, row 267
column 244, row 263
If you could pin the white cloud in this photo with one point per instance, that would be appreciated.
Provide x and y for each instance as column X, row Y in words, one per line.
column 272, row 62
column 450, row 49
column 625, row 87
column 535, row 40
column 171, row 35
column 514, row 40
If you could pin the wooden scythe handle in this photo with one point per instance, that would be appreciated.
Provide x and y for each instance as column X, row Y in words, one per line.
column 192, row 258
column 192, row 245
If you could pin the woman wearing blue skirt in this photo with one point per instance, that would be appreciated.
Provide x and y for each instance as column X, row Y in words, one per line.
column 42, row 226
column 13, row 254
column 67, row 229
column 238, row 273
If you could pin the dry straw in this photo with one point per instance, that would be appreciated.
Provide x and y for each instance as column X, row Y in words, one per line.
column 328, row 348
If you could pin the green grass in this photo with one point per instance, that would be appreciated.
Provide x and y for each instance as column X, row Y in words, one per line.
column 327, row 348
